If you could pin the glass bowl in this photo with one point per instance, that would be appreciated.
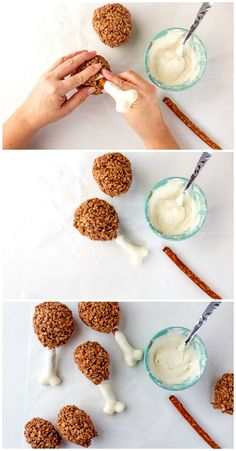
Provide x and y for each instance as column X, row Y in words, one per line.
column 197, row 193
column 198, row 345
column 198, row 46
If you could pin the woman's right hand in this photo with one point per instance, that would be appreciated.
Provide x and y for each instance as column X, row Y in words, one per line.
column 144, row 115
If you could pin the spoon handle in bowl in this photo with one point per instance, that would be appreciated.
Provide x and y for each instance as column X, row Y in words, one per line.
column 200, row 164
column 201, row 13
column 204, row 317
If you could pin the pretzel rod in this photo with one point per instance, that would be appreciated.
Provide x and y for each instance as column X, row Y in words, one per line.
column 102, row 81
column 179, row 406
column 190, row 124
column 190, row 274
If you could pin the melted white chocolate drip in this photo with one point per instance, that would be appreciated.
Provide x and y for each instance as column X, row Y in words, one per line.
column 124, row 99
column 112, row 405
column 49, row 376
column 131, row 355
column 137, row 253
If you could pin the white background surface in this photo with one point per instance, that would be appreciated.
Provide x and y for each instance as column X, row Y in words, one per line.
column 150, row 421
column 46, row 256
column 42, row 31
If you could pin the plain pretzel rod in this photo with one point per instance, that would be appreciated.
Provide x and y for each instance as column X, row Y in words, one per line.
column 181, row 265
column 179, row 406
column 175, row 109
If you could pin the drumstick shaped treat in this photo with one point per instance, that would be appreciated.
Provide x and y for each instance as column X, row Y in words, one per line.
column 105, row 317
column 98, row 220
column 41, row 434
column 93, row 361
column 53, row 324
column 76, row 426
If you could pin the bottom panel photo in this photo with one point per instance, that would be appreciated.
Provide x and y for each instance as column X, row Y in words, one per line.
column 118, row 375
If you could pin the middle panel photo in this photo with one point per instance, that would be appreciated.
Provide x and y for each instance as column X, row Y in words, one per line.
column 119, row 225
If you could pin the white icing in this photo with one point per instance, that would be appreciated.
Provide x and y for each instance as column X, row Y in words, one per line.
column 124, row 99
column 131, row 355
column 172, row 63
column 112, row 405
column 170, row 211
column 137, row 253
column 171, row 361
column 49, row 376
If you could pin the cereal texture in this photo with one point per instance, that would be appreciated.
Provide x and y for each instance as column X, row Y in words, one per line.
column 76, row 426
column 97, row 219
column 112, row 22
column 94, row 80
column 53, row 324
column 223, row 397
column 101, row 316
column 93, row 361
column 113, row 173
column 40, row 433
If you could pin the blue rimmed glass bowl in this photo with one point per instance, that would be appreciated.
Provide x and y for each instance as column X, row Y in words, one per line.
column 198, row 345
column 196, row 192
column 199, row 48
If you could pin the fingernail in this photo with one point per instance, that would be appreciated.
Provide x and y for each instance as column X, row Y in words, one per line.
column 98, row 66
column 91, row 90
column 105, row 72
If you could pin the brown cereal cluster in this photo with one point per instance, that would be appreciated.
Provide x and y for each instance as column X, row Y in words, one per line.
column 101, row 316
column 112, row 22
column 97, row 219
column 223, row 397
column 113, row 173
column 76, row 426
column 93, row 361
column 40, row 433
column 53, row 324
column 94, row 80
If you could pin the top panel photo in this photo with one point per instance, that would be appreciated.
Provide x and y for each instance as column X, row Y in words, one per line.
column 130, row 76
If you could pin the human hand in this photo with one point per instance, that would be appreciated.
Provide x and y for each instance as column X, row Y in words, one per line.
column 144, row 115
column 48, row 100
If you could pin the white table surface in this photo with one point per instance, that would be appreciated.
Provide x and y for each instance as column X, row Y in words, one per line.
column 150, row 421
column 47, row 257
column 42, row 31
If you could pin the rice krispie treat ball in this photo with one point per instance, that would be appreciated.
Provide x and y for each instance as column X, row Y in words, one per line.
column 113, row 173
column 97, row 219
column 93, row 361
column 101, row 316
column 223, row 397
column 40, row 433
column 94, row 80
column 76, row 426
column 112, row 22
column 53, row 324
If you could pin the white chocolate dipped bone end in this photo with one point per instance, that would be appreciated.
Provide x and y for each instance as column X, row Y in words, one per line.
column 49, row 375
column 112, row 405
column 124, row 99
column 137, row 253
column 131, row 355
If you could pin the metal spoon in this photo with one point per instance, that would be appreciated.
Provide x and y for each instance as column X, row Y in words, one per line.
column 200, row 164
column 201, row 13
column 204, row 317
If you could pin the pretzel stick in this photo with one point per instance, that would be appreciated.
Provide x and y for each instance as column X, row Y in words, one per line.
column 190, row 124
column 190, row 274
column 179, row 406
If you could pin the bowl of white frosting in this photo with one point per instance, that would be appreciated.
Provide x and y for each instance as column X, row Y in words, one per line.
column 172, row 365
column 171, row 66
column 171, row 216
